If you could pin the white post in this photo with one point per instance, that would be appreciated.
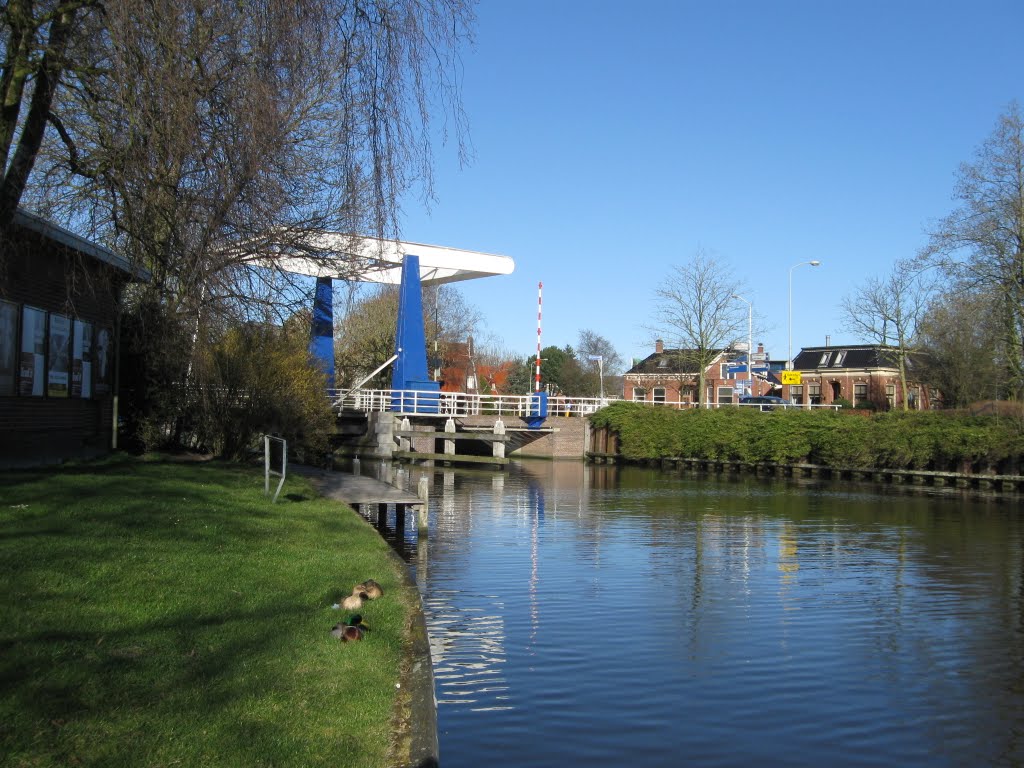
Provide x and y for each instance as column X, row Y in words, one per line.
column 750, row 342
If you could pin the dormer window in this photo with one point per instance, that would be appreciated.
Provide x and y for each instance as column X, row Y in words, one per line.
column 824, row 359
column 663, row 362
column 840, row 357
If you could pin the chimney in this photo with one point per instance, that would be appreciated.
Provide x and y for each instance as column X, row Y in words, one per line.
column 828, row 341
column 659, row 347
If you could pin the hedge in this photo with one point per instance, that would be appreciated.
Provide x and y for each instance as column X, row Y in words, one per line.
column 923, row 440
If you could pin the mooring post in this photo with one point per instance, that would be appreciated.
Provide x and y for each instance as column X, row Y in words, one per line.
column 404, row 442
column 499, row 445
column 423, row 491
column 449, row 445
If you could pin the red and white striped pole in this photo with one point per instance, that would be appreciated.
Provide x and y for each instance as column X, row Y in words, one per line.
column 540, row 288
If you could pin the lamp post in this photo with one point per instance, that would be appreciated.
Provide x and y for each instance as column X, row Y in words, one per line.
column 750, row 342
column 600, row 372
column 814, row 263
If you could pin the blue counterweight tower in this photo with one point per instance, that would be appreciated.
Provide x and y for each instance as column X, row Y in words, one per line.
column 321, row 342
column 410, row 374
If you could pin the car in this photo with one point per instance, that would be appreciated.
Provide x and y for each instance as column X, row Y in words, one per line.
column 766, row 402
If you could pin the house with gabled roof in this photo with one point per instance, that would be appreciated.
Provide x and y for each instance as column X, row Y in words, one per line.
column 863, row 374
column 670, row 377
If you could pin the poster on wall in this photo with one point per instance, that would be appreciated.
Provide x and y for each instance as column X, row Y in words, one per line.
column 104, row 360
column 81, row 360
column 31, row 368
column 8, row 347
column 58, row 374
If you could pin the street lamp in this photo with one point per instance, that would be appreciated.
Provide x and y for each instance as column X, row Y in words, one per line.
column 600, row 372
column 750, row 342
column 814, row 263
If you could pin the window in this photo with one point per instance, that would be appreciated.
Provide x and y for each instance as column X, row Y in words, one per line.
column 724, row 395
column 31, row 368
column 686, row 394
column 890, row 395
column 814, row 394
column 104, row 358
column 663, row 362
column 824, row 359
column 913, row 398
column 81, row 360
column 840, row 357
column 8, row 347
column 658, row 394
column 58, row 372
column 796, row 393
column 860, row 394
column 723, row 371
column 639, row 393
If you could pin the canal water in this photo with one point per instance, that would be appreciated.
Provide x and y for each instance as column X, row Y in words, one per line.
column 609, row 616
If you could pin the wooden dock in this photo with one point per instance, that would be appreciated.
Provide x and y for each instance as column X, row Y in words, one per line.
column 364, row 494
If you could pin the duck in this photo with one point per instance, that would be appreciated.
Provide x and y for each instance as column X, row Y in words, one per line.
column 347, row 633
column 354, row 601
column 370, row 588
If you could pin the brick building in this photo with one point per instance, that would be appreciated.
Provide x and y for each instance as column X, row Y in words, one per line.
column 859, row 373
column 59, row 299
column 669, row 376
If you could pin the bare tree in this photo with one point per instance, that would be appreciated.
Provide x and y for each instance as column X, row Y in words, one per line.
column 591, row 345
column 34, row 39
column 960, row 331
column 203, row 138
column 697, row 313
column 981, row 243
column 366, row 331
column 888, row 311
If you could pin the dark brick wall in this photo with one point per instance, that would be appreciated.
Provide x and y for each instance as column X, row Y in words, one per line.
column 39, row 272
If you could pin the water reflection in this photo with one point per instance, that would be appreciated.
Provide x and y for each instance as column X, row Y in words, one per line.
column 622, row 615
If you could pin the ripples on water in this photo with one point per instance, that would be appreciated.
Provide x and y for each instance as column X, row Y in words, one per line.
column 614, row 616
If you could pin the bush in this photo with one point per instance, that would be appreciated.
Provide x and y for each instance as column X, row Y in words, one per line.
column 941, row 440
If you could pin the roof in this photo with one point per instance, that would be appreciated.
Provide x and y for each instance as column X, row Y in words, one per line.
column 856, row 356
column 51, row 231
column 669, row 361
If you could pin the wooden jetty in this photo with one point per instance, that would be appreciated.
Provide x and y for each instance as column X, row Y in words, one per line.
column 367, row 494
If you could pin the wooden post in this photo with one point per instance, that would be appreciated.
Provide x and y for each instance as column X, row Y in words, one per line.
column 423, row 491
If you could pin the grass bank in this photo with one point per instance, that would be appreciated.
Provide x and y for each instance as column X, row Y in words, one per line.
column 923, row 440
column 161, row 613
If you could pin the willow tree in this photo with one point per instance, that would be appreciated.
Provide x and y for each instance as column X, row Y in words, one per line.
column 201, row 138
column 981, row 243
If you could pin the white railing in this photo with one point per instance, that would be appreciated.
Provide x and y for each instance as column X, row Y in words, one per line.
column 444, row 404
column 762, row 406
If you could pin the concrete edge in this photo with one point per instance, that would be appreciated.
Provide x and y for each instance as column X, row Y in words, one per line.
column 416, row 706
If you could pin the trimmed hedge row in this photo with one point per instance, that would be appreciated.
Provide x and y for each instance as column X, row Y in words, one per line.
column 924, row 440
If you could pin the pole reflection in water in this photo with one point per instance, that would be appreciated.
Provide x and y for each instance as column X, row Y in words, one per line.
column 614, row 616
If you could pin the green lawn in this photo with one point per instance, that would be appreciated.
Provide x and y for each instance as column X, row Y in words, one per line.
column 159, row 613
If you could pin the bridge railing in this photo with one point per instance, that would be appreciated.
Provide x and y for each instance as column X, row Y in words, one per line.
column 444, row 404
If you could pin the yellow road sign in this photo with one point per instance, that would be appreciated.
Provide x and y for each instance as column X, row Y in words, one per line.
column 791, row 377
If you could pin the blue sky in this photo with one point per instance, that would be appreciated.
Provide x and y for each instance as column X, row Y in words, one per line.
column 613, row 139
